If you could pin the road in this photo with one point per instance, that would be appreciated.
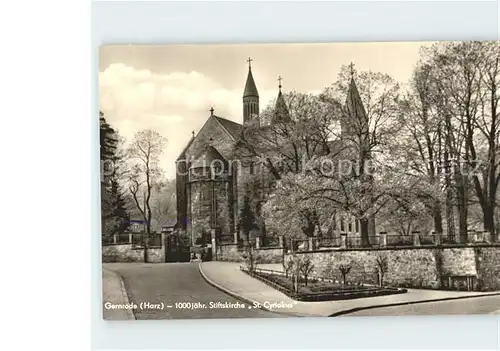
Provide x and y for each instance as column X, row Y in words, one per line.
column 476, row 305
column 180, row 283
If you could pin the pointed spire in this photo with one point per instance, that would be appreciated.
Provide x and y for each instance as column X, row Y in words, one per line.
column 281, row 112
column 355, row 110
column 352, row 71
column 250, row 97
column 354, row 104
column 250, row 87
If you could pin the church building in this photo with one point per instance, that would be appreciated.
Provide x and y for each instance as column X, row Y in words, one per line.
column 210, row 170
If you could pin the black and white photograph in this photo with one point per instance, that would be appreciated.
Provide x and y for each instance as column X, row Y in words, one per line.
column 299, row 180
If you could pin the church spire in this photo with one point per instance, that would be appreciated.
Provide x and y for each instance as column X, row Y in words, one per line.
column 281, row 112
column 250, row 96
column 355, row 119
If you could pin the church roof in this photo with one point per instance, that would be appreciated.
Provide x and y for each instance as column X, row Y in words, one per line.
column 232, row 128
column 250, row 87
column 207, row 156
column 183, row 153
column 281, row 112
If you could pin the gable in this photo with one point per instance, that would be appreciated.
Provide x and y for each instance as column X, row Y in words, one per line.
column 222, row 140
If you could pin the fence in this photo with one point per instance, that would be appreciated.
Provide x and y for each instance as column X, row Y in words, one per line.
column 389, row 240
column 226, row 239
column 135, row 239
column 271, row 241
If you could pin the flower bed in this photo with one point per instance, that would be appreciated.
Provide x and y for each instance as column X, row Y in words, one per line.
column 321, row 290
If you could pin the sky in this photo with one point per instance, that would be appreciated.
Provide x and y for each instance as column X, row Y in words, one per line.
column 171, row 88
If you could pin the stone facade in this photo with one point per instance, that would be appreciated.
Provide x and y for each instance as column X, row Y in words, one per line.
column 412, row 267
column 206, row 202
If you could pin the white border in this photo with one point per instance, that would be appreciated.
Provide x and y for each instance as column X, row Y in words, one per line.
column 237, row 22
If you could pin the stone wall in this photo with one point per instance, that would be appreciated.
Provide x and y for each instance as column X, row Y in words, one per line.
column 458, row 261
column 488, row 267
column 231, row 253
column 122, row 253
column 412, row 267
column 270, row 255
column 156, row 255
column 127, row 253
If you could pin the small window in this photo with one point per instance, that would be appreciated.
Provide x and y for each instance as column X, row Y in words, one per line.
column 252, row 170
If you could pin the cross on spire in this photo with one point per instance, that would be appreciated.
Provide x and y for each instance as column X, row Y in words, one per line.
column 212, row 111
column 249, row 60
column 351, row 69
column 279, row 82
column 192, row 132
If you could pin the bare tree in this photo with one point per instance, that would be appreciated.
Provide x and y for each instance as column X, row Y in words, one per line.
column 306, row 267
column 382, row 267
column 420, row 138
column 344, row 268
column 143, row 156
column 163, row 201
column 464, row 79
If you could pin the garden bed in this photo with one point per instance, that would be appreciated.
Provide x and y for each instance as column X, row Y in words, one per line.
column 321, row 290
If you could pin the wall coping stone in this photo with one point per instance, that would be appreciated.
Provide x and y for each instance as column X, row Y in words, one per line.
column 389, row 248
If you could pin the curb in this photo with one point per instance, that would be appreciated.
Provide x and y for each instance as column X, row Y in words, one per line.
column 236, row 295
column 343, row 312
column 357, row 309
column 130, row 315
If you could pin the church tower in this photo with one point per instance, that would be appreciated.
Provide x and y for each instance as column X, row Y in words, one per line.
column 250, row 97
column 281, row 113
column 354, row 123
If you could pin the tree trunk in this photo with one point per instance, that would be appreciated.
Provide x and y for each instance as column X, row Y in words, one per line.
column 488, row 219
column 462, row 193
column 363, row 227
column 438, row 218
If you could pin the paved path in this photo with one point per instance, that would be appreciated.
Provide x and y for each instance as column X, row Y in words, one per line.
column 171, row 283
column 229, row 276
column 477, row 305
column 113, row 292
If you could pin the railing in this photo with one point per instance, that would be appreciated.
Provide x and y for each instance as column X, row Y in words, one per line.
column 136, row 239
column 327, row 242
column 226, row 239
column 271, row 241
column 154, row 240
column 392, row 240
